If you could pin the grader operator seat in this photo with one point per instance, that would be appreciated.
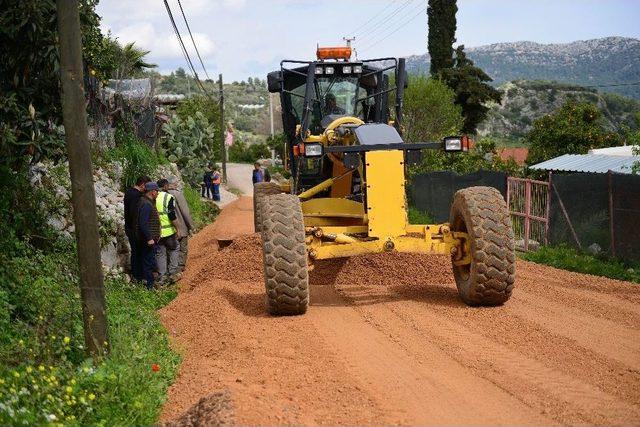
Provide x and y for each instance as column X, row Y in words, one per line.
column 346, row 196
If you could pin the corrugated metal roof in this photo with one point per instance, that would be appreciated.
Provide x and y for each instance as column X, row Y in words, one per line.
column 595, row 163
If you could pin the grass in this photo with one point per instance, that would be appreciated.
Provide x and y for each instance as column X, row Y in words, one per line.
column 202, row 212
column 235, row 191
column 568, row 258
column 417, row 216
column 45, row 378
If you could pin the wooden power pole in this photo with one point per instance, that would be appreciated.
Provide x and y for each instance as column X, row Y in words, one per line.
column 83, row 194
column 223, row 146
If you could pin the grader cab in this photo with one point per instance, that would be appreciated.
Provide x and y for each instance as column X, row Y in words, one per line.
column 346, row 195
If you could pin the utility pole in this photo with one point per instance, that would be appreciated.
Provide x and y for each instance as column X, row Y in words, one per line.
column 94, row 312
column 223, row 147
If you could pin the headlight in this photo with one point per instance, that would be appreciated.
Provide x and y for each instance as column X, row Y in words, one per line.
column 328, row 70
column 357, row 69
column 346, row 69
column 318, row 70
column 313, row 150
column 453, row 143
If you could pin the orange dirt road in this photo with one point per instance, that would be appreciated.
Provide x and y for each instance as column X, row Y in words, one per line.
column 387, row 341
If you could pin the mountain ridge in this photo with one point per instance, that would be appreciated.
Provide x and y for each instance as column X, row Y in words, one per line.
column 593, row 62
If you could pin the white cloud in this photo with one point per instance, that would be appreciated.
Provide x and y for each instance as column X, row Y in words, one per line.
column 164, row 45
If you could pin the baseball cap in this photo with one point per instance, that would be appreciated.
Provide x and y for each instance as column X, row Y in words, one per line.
column 150, row 186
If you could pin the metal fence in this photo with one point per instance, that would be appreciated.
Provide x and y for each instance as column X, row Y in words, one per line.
column 528, row 202
column 599, row 213
column 433, row 192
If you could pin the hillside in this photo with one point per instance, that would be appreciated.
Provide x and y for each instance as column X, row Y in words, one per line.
column 524, row 101
column 611, row 60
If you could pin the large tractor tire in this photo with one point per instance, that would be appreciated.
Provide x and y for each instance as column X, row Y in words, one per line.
column 482, row 213
column 260, row 191
column 284, row 252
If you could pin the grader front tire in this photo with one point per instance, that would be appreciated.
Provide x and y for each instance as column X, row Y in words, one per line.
column 260, row 191
column 284, row 252
column 482, row 213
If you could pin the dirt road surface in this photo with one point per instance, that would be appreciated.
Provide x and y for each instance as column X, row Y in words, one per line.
column 387, row 341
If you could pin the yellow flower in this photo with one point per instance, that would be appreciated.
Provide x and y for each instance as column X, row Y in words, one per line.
column 73, row 381
column 137, row 405
column 41, row 368
column 92, row 396
column 85, row 369
column 29, row 369
column 69, row 390
column 16, row 374
column 66, row 340
column 1, row 381
column 21, row 342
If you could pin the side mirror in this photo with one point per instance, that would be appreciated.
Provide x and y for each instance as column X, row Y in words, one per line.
column 274, row 81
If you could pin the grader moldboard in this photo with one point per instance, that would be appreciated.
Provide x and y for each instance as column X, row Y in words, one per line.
column 346, row 195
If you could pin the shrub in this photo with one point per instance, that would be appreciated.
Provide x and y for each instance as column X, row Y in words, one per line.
column 136, row 157
column 202, row 212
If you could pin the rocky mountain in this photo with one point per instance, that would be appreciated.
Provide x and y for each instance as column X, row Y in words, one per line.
column 605, row 61
column 524, row 101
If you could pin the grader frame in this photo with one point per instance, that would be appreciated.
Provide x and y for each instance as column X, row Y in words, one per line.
column 355, row 203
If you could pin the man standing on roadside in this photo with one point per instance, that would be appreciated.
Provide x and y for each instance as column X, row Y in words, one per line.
column 167, row 253
column 131, row 199
column 184, row 222
column 148, row 232
column 258, row 175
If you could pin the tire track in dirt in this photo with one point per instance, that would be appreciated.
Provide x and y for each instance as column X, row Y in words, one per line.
column 387, row 341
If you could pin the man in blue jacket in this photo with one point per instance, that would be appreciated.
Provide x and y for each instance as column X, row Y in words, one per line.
column 148, row 232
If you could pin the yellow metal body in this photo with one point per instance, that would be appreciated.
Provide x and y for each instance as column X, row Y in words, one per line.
column 337, row 227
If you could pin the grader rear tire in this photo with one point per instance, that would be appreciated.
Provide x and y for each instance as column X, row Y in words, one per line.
column 482, row 213
column 260, row 191
column 284, row 252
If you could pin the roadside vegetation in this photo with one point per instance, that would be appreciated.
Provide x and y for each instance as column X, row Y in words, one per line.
column 568, row 258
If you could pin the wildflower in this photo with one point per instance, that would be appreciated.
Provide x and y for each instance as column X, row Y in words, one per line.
column 155, row 367
column 73, row 381
column 52, row 417
column 21, row 342
column 69, row 390
column 16, row 374
column 53, row 337
column 29, row 369
column 66, row 340
column 41, row 368
column 92, row 396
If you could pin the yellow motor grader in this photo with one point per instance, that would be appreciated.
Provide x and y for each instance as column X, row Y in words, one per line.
column 346, row 195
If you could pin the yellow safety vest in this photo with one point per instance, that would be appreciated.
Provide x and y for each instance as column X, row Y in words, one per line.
column 162, row 206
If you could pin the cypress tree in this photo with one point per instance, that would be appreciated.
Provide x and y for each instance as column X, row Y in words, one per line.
column 442, row 33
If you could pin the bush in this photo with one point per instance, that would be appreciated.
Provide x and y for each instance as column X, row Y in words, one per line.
column 241, row 153
column 202, row 212
column 191, row 144
column 136, row 157
column 417, row 216
column 568, row 258
column 429, row 110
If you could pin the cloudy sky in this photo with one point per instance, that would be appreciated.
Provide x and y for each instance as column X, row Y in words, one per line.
column 242, row 38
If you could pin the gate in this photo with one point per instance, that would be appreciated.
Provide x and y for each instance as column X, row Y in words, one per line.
column 528, row 202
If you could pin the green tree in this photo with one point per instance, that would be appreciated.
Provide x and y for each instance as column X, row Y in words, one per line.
column 442, row 33
column 429, row 110
column 471, row 88
column 573, row 129
column 30, row 108
column 277, row 143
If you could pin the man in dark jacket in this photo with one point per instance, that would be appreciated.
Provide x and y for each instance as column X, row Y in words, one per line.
column 131, row 198
column 148, row 232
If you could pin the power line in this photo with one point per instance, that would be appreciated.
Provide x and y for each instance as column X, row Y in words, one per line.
column 193, row 41
column 394, row 23
column 373, row 17
column 370, row 45
column 371, row 31
column 184, row 49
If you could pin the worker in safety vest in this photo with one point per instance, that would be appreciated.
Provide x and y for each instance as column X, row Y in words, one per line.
column 168, row 253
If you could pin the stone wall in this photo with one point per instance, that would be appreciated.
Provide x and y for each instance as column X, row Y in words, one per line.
column 109, row 202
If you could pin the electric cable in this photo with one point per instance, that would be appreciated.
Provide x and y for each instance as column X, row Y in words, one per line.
column 192, row 40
